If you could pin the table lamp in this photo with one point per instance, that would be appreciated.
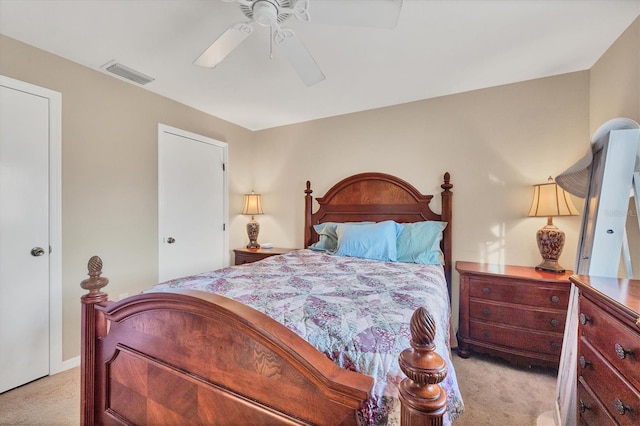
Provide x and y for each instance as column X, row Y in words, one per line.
column 252, row 206
column 550, row 200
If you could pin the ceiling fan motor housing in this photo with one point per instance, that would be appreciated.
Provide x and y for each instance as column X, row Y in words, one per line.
column 267, row 12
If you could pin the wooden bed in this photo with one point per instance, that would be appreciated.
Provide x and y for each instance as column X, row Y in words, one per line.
column 189, row 357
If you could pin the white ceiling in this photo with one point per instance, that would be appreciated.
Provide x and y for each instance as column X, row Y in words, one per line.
column 438, row 48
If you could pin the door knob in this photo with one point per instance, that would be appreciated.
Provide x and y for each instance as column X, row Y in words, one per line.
column 37, row 251
column 171, row 240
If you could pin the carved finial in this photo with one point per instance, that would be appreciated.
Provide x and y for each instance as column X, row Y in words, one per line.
column 423, row 328
column 447, row 182
column 308, row 191
column 421, row 396
column 95, row 282
column 95, row 266
column 421, row 363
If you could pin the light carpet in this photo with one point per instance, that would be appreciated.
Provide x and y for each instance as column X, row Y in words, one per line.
column 494, row 393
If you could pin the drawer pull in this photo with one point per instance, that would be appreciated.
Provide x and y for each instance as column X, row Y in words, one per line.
column 486, row 312
column 622, row 352
column 620, row 407
column 486, row 290
column 555, row 346
column 585, row 319
column 555, row 322
column 555, row 299
column 485, row 333
column 584, row 362
column 584, row 407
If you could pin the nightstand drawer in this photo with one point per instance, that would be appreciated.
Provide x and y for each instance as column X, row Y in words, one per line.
column 534, row 295
column 618, row 344
column 244, row 256
column 618, row 397
column 517, row 338
column 519, row 316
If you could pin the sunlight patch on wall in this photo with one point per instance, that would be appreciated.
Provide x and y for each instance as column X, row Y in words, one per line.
column 494, row 251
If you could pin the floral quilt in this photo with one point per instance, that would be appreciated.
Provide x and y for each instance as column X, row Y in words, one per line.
column 356, row 311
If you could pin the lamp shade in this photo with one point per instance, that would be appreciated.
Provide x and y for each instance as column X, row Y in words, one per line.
column 550, row 200
column 252, row 204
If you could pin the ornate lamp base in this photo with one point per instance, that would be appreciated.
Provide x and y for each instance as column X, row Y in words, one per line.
column 550, row 243
column 253, row 228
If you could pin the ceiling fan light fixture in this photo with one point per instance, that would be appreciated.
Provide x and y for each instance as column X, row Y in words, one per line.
column 265, row 13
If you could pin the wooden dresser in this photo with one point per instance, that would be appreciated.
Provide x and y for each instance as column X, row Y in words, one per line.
column 608, row 350
column 514, row 312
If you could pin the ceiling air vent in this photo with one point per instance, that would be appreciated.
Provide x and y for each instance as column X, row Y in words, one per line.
column 129, row 74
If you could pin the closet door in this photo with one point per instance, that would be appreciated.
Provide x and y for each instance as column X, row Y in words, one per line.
column 24, row 237
column 192, row 203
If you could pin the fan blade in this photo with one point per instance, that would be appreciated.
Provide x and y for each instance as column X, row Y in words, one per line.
column 242, row 2
column 229, row 40
column 373, row 13
column 299, row 57
column 300, row 10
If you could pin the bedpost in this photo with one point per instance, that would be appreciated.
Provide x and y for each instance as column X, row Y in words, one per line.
column 93, row 325
column 308, row 205
column 422, row 399
column 446, row 217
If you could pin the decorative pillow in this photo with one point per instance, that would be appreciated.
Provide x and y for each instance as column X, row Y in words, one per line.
column 369, row 241
column 327, row 236
column 419, row 242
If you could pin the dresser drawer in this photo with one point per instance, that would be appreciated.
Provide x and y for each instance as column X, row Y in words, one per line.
column 538, row 295
column 517, row 338
column 619, row 344
column 519, row 316
column 619, row 398
column 590, row 411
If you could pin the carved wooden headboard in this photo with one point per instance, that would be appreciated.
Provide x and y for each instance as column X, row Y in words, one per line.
column 377, row 197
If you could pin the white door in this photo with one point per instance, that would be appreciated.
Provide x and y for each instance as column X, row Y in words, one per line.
column 24, row 237
column 192, row 203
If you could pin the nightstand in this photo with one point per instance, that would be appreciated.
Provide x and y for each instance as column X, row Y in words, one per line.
column 244, row 255
column 513, row 312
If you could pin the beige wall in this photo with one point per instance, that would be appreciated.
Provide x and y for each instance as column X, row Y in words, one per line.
column 495, row 142
column 615, row 80
column 109, row 176
column 615, row 92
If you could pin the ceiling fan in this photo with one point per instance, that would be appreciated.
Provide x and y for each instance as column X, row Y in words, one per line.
column 272, row 13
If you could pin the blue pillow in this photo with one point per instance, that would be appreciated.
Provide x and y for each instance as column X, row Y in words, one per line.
column 419, row 242
column 369, row 241
column 327, row 236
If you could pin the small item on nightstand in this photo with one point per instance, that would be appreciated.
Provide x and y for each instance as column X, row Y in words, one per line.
column 266, row 245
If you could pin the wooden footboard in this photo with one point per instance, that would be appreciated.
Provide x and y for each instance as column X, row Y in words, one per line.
column 188, row 357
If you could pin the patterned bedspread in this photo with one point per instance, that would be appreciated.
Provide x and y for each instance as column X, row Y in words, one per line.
column 356, row 311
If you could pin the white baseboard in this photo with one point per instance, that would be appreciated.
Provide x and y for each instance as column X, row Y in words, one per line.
column 71, row 363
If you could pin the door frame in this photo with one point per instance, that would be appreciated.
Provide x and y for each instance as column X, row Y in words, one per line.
column 56, row 363
column 163, row 129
